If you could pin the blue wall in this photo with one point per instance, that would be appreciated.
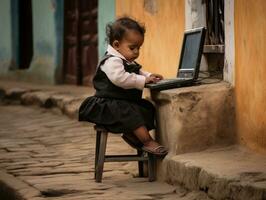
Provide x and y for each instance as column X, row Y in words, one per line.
column 5, row 39
column 59, row 32
column 46, row 64
column 106, row 13
column 47, row 39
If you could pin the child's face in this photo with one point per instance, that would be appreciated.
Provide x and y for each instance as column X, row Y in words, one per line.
column 130, row 45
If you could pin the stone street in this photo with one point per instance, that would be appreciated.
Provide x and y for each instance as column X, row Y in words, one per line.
column 46, row 155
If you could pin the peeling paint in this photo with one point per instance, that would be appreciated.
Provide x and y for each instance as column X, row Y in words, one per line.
column 151, row 6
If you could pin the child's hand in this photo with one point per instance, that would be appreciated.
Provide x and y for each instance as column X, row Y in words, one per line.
column 153, row 78
column 157, row 76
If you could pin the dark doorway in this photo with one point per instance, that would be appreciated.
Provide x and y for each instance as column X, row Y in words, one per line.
column 80, row 41
column 214, row 48
column 25, row 39
column 215, row 21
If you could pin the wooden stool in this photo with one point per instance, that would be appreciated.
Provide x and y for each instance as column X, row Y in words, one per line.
column 100, row 157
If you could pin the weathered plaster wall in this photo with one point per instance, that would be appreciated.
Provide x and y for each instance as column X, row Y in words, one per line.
column 5, row 39
column 229, row 54
column 194, row 118
column 43, row 65
column 165, row 22
column 250, row 63
column 106, row 14
column 47, row 42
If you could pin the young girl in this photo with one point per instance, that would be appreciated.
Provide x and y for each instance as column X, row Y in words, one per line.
column 117, row 104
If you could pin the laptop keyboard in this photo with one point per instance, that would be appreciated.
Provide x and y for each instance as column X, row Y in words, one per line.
column 172, row 80
column 168, row 82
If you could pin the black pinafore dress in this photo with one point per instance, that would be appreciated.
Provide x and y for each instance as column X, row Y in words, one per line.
column 118, row 110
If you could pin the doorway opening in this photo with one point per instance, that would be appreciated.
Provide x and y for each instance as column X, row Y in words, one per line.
column 25, row 36
column 215, row 37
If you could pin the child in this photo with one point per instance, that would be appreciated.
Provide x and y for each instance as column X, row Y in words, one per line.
column 117, row 104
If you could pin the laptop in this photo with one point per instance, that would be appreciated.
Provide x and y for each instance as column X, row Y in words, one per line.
column 189, row 63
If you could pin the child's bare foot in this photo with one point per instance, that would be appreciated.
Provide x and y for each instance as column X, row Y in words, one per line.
column 154, row 148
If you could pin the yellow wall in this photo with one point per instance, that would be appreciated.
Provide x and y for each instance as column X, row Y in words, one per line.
column 164, row 22
column 250, row 63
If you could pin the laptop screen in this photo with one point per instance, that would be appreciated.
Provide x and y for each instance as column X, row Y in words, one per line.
column 191, row 52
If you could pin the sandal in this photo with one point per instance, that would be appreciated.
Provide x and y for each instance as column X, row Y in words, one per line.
column 158, row 151
column 133, row 141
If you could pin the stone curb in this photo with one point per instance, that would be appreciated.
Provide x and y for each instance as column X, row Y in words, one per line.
column 65, row 102
column 12, row 188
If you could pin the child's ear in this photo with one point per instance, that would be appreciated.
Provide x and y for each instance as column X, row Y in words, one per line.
column 115, row 44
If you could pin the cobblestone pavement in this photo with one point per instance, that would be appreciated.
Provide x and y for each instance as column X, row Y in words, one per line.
column 52, row 157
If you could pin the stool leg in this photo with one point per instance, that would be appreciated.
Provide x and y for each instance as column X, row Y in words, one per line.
column 97, row 146
column 140, row 165
column 151, row 167
column 101, row 157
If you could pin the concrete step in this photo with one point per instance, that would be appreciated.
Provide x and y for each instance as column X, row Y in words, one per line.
column 231, row 172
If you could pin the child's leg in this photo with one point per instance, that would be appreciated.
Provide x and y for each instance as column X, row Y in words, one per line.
column 143, row 135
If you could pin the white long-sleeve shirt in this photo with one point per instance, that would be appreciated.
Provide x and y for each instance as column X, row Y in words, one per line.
column 114, row 70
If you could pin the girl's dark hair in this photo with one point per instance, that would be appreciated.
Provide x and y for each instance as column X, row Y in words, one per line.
column 116, row 30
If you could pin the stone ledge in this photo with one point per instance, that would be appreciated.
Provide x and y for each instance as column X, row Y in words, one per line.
column 231, row 172
column 15, row 189
column 192, row 119
column 67, row 101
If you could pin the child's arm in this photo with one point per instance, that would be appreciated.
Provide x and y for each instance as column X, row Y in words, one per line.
column 148, row 74
column 144, row 73
column 114, row 70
